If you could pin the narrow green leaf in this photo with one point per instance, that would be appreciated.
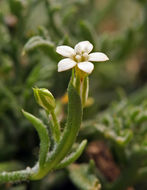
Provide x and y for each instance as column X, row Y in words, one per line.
column 82, row 177
column 73, row 156
column 121, row 139
column 43, row 135
column 45, row 45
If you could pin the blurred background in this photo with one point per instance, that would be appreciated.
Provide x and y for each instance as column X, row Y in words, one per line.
column 115, row 118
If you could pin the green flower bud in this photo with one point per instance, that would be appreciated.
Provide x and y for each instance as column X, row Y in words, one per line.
column 44, row 98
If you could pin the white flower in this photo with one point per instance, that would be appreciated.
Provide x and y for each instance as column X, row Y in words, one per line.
column 79, row 56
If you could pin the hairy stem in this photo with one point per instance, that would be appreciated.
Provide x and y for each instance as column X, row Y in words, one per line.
column 69, row 135
column 55, row 127
column 15, row 176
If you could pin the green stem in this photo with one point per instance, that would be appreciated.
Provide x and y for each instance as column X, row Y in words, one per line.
column 15, row 176
column 78, row 84
column 73, row 75
column 85, row 90
column 56, row 127
column 60, row 150
column 69, row 135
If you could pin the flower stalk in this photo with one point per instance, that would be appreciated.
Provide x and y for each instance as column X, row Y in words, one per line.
column 58, row 156
column 69, row 134
column 85, row 90
column 55, row 126
column 51, row 161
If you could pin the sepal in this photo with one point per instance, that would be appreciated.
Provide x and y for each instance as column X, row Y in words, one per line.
column 44, row 98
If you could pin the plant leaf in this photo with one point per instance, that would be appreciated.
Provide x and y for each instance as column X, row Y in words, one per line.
column 82, row 177
column 45, row 45
column 73, row 156
column 43, row 135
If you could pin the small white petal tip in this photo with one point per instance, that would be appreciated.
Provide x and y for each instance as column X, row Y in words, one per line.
column 87, row 67
column 84, row 46
column 65, row 51
column 98, row 56
column 66, row 64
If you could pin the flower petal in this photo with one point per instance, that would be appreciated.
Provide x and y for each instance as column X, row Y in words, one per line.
column 65, row 51
column 86, row 66
column 66, row 64
column 84, row 46
column 98, row 56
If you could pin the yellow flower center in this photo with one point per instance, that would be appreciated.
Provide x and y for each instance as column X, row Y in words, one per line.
column 78, row 58
column 81, row 58
column 85, row 56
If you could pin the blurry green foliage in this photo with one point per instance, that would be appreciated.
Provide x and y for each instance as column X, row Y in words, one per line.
column 123, row 126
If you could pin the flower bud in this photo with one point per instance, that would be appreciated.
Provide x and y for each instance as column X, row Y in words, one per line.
column 44, row 98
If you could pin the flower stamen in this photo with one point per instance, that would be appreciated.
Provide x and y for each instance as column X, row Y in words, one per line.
column 85, row 56
column 78, row 58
